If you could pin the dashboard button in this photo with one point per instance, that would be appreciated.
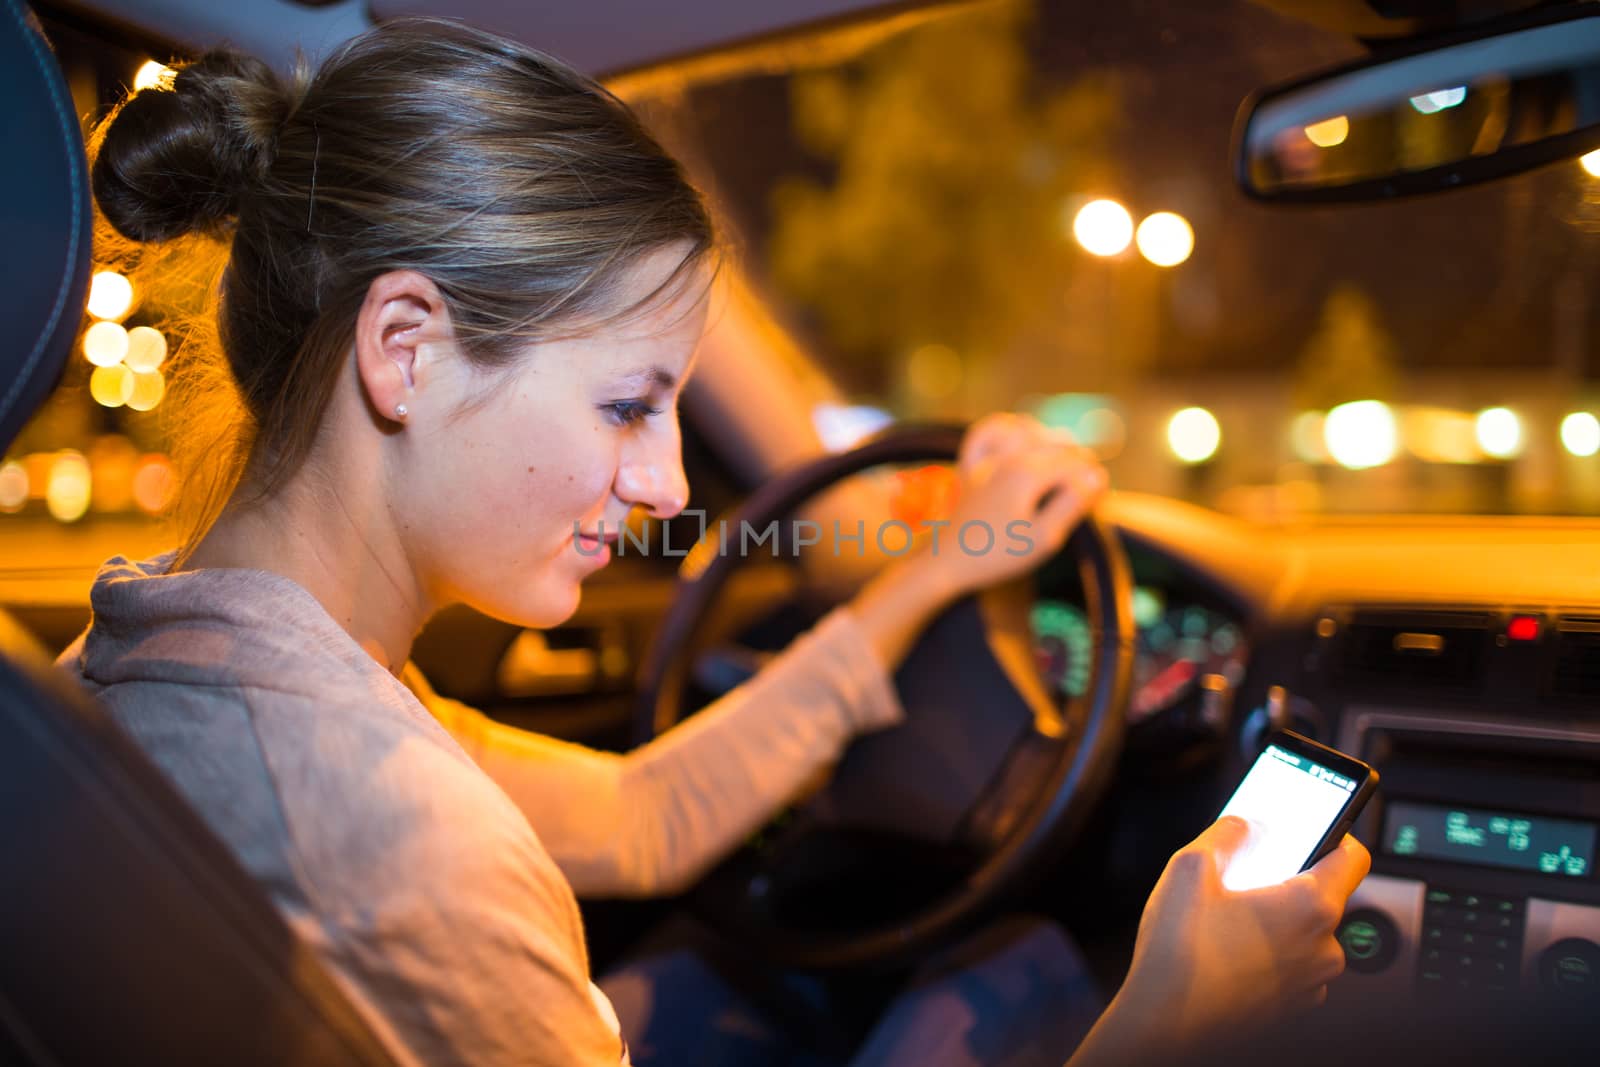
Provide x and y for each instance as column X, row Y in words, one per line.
column 1570, row 969
column 1370, row 940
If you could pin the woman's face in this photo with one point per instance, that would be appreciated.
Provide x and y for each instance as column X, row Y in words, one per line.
column 504, row 495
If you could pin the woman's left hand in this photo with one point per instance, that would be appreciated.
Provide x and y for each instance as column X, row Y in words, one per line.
column 1025, row 484
column 1021, row 489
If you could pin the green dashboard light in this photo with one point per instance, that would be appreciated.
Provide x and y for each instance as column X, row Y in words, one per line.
column 1361, row 940
column 1573, row 969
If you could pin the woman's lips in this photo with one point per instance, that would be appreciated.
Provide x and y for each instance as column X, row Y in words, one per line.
column 594, row 547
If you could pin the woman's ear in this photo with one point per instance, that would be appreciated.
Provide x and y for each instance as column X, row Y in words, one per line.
column 403, row 315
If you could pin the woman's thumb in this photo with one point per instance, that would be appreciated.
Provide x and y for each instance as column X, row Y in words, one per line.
column 1226, row 838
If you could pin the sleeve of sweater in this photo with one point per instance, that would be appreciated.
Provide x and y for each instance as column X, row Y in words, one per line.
column 651, row 821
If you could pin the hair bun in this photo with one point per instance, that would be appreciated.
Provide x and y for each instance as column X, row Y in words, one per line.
column 175, row 161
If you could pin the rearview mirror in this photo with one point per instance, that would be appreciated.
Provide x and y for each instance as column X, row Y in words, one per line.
column 1439, row 116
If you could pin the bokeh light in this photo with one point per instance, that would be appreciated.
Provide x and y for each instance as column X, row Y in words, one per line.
column 111, row 386
column 1440, row 435
column 1329, row 132
column 1305, row 437
column 153, row 483
column 37, row 465
column 147, row 390
column 1103, row 228
column 1361, row 434
column 105, row 344
column 1591, row 163
column 1580, row 434
column 67, row 493
column 1499, row 432
column 1194, row 435
column 151, row 74
column 1103, row 430
column 1165, row 238
column 112, row 458
column 13, row 487
column 110, row 295
column 147, row 349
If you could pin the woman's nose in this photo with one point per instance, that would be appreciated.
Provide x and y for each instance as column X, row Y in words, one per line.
column 657, row 484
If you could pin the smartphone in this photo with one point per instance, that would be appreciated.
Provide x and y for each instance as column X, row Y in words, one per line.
column 1302, row 798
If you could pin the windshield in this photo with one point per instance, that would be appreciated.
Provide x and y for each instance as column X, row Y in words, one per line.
column 1032, row 207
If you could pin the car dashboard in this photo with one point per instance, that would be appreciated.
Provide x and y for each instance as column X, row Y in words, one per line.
column 1461, row 659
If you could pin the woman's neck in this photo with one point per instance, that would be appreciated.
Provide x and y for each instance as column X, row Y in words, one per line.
column 339, row 544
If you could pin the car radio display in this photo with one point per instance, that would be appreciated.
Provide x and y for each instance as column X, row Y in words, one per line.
column 1489, row 838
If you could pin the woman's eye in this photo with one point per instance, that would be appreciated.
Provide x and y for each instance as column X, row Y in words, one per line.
column 628, row 412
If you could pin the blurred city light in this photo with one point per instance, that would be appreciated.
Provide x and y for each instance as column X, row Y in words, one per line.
column 1440, row 435
column 111, row 386
column 37, row 465
column 1580, row 434
column 110, row 295
column 146, row 390
column 1361, row 434
column 1431, row 103
column 151, row 74
column 1103, row 430
column 105, row 344
column 1194, row 435
column 112, row 458
column 152, row 483
column 1329, row 132
column 147, row 349
column 1499, row 432
column 843, row 426
column 1591, row 163
column 67, row 493
column 1103, row 227
column 1305, row 437
column 1165, row 238
column 13, row 487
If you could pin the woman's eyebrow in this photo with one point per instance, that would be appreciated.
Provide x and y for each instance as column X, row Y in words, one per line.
column 655, row 376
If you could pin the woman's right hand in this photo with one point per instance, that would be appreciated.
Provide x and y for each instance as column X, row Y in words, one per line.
column 1210, row 961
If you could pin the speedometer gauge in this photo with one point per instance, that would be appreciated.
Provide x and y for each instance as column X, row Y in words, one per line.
column 1062, row 646
column 1178, row 648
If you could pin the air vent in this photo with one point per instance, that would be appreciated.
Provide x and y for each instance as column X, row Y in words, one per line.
column 1577, row 665
column 1406, row 649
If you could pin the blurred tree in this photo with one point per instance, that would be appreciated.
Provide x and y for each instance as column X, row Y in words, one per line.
column 1351, row 356
column 946, row 221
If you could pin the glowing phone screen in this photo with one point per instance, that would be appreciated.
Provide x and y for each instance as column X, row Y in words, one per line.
column 1292, row 800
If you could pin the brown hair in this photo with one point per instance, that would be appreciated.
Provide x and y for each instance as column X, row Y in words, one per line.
column 521, row 188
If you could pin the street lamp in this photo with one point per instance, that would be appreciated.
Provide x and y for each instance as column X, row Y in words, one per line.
column 1165, row 238
column 1103, row 227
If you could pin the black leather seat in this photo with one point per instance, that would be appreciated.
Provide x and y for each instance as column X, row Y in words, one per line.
column 128, row 933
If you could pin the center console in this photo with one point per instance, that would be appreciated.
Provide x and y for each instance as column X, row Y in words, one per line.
column 1484, row 724
column 1484, row 841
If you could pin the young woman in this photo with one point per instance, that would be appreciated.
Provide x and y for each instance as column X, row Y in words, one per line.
column 463, row 292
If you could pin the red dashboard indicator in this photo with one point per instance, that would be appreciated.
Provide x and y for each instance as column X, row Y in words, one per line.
column 1523, row 628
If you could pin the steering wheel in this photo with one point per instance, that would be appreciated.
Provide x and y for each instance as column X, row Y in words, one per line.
column 920, row 826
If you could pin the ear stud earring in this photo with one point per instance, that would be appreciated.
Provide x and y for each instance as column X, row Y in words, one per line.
column 400, row 411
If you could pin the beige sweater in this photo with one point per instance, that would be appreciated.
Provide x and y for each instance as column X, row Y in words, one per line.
column 427, row 853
